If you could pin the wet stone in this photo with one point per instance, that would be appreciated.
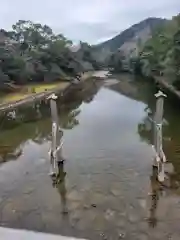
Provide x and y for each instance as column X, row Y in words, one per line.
column 48, row 219
column 82, row 224
column 122, row 214
column 166, row 182
column 86, row 206
column 109, row 214
column 103, row 236
column 133, row 218
column 14, row 204
column 65, row 211
column 116, row 192
column 142, row 236
column 34, row 221
column 174, row 236
column 97, row 198
column 121, row 235
column 75, row 216
column 28, row 190
column 142, row 203
column 91, row 215
column 121, row 222
column 74, row 205
column 74, row 195
column 169, row 168
column 94, row 205
column 86, row 220
column 176, row 184
column 99, row 223
column 9, row 213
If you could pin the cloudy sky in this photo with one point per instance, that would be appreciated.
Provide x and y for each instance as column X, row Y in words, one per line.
column 86, row 20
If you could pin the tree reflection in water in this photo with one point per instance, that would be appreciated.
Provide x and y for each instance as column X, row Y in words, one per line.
column 32, row 121
column 171, row 139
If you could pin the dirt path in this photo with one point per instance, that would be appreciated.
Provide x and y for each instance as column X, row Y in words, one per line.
column 33, row 98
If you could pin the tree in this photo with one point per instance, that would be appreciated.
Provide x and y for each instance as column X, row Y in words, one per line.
column 160, row 54
column 114, row 61
column 33, row 52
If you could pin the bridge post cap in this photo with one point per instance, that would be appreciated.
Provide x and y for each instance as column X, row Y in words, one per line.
column 53, row 97
column 160, row 94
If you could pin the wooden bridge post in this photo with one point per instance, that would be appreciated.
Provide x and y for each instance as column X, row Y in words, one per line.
column 57, row 133
column 160, row 158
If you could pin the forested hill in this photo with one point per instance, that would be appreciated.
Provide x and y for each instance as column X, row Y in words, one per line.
column 158, row 55
column 161, row 53
column 142, row 29
column 33, row 52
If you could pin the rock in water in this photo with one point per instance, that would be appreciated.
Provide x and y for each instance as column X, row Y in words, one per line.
column 109, row 215
column 169, row 168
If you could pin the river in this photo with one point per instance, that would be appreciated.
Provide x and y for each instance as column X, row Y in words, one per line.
column 108, row 190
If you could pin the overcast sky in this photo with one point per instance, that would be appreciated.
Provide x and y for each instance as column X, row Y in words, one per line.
column 86, row 20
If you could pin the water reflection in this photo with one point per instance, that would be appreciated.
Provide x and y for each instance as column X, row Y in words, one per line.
column 156, row 191
column 7, row 153
column 160, row 193
column 104, row 193
column 171, row 137
column 58, row 182
column 142, row 91
column 32, row 121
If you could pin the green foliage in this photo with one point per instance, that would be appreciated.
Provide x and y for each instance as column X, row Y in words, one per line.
column 114, row 61
column 135, row 65
column 161, row 53
column 32, row 52
column 88, row 54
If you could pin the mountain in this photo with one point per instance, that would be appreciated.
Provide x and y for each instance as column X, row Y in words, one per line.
column 128, row 39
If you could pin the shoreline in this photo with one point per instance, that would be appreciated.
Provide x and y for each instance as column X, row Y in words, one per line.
column 32, row 98
column 167, row 86
column 40, row 96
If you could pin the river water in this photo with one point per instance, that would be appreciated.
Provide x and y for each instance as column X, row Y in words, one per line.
column 107, row 188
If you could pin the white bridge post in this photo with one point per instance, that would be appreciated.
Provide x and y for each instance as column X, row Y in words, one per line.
column 57, row 133
column 160, row 158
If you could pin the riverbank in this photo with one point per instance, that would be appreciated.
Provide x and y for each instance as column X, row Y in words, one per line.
column 27, row 90
column 62, row 89
column 164, row 84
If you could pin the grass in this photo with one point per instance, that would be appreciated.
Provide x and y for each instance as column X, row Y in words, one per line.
column 28, row 90
column 38, row 88
column 31, row 89
column 13, row 97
